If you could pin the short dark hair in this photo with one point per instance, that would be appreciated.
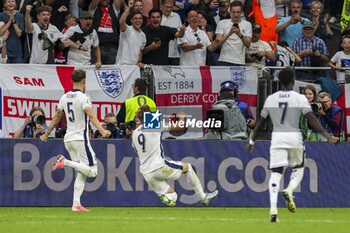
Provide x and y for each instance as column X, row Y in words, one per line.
column 78, row 76
column 154, row 10
column 135, row 13
column 141, row 84
column 109, row 115
column 236, row 3
column 141, row 110
column 286, row 76
column 44, row 8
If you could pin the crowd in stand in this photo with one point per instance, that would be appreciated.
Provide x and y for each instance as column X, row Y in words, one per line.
column 172, row 32
column 175, row 32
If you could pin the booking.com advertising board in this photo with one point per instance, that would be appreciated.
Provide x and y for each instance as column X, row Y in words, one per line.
column 241, row 177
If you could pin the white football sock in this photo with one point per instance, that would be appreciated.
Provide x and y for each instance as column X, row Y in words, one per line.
column 193, row 180
column 89, row 171
column 78, row 188
column 295, row 179
column 274, row 186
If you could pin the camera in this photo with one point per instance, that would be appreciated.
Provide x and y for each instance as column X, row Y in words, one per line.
column 316, row 107
column 221, row 4
column 38, row 120
column 216, row 115
column 130, row 125
column 111, row 127
column 248, row 121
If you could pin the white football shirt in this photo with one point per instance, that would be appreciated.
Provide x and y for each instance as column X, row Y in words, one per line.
column 74, row 103
column 149, row 148
column 285, row 108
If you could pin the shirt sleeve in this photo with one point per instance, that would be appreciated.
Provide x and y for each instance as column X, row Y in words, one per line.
column 86, row 103
column 305, row 105
column 60, row 105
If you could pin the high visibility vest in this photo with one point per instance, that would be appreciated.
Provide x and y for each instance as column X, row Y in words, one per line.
column 345, row 16
column 268, row 25
column 133, row 104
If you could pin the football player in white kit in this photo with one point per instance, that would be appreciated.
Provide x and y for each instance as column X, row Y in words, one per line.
column 285, row 108
column 155, row 168
column 78, row 108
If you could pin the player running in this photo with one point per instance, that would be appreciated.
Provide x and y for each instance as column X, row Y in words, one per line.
column 285, row 108
column 78, row 108
column 155, row 168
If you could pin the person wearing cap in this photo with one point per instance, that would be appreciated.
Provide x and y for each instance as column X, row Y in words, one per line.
column 290, row 27
column 258, row 51
column 234, row 125
column 45, row 35
column 81, row 38
column 231, row 87
column 312, row 50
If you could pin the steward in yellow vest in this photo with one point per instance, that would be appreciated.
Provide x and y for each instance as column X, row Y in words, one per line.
column 129, row 108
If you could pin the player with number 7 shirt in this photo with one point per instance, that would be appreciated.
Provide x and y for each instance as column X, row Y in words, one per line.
column 78, row 109
column 285, row 108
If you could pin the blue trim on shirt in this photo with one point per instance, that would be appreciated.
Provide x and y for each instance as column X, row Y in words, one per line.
column 172, row 165
column 74, row 90
column 86, row 141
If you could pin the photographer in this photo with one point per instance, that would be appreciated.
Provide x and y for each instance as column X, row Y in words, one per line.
column 330, row 116
column 111, row 125
column 34, row 125
column 233, row 124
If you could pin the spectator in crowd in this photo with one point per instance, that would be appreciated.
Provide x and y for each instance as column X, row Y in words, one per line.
column 45, row 35
column 3, row 39
column 331, row 117
column 341, row 59
column 138, row 6
column 60, row 9
column 110, row 124
column 234, row 126
column 106, row 23
column 222, row 13
column 158, row 37
column 312, row 50
column 61, row 54
column 130, row 106
column 34, row 125
column 181, row 7
column 81, row 38
column 171, row 19
column 320, row 19
column 14, row 21
column 290, row 27
column 132, row 39
column 234, row 35
column 195, row 42
column 231, row 87
column 306, row 129
column 285, row 56
column 258, row 51
column 203, row 25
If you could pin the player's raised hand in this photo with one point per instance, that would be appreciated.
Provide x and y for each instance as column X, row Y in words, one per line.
column 106, row 133
column 43, row 137
column 249, row 148
column 334, row 140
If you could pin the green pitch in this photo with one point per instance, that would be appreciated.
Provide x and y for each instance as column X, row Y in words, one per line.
column 168, row 220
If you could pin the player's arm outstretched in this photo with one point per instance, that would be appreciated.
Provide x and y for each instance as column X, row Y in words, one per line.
column 316, row 125
column 259, row 126
column 56, row 119
column 96, row 123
